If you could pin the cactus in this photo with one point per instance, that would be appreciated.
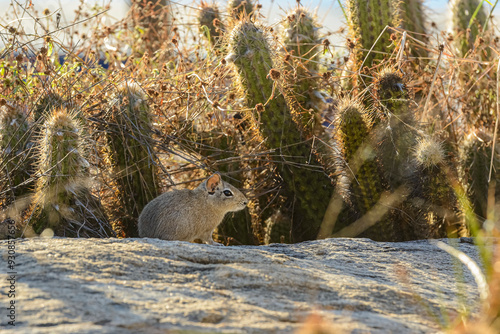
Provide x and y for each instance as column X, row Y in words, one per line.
column 63, row 201
column 432, row 192
column 396, row 133
column 360, row 172
column 155, row 18
column 15, row 145
column 413, row 20
column 366, row 21
column 300, row 41
column 476, row 156
column 304, row 177
column 131, row 155
column 462, row 11
column 46, row 103
column 210, row 18
column 238, row 9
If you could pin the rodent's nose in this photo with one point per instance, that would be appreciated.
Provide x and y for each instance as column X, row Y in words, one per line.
column 245, row 203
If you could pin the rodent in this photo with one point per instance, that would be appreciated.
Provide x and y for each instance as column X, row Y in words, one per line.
column 187, row 215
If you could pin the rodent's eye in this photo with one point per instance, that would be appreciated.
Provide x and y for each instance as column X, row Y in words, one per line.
column 228, row 193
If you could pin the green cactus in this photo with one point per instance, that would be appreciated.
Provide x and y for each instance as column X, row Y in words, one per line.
column 300, row 40
column 131, row 156
column 209, row 17
column 361, row 182
column 15, row 145
column 366, row 21
column 258, row 76
column 476, row 156
column 396, row 132
column 46, row 103
column 413, row 20
column 63, row 201
column 238, row 9
column 156, row 20
column 432, row 192
column 462, row 11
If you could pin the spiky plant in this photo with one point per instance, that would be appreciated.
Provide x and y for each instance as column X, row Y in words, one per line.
column 432, row 193
column 155, row 18
column 15, row 146
column 367, row 20
column 396, row 132
column 210, row 22
column 465, row 32
column 238, row 9
column 361, row 183
column 47, row 102
column 413, row 20
column 301, row 40
column 131, row 155
column 476, row 157
column 258, row 76
column 63, row 201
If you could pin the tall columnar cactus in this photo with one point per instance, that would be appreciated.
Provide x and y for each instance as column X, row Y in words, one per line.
column 360, row 172
column 367, row 20
column 432, row 193
column 238, row 9
column 209, row 17
column 477, row 81
column 462, row 11
column 131, row 155
column 301, row 40
column 155, row 18
column 63, row 201
column 413, row 19
column 476, row 158
column 15, row 145
column 47, row 102
column 396, row 129
column 258, row 75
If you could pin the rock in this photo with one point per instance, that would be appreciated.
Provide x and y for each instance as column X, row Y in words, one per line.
column 150, row 286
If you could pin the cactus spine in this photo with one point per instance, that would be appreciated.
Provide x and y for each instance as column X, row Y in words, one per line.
column 63, row 201
column 462, row 11
column 360, row 172
column 476, row 171
column 413, row 20
column 238, row 9
column 303, row 176
column 131, row 155
column 366, row 21
column 300, row 41
column 210, row 18
column 433, row 191
column 396, row 134
column 15, row 144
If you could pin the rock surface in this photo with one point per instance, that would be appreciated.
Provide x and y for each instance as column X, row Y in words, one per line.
column 151, row 286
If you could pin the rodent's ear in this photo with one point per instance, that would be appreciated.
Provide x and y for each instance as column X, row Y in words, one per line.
column 213, row 182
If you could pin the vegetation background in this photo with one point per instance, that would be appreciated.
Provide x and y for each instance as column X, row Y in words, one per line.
column 389, row 132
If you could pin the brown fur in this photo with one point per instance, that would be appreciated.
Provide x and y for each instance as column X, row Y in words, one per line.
column 190, row 214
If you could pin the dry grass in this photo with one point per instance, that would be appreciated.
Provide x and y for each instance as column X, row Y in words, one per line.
column 201, row 123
